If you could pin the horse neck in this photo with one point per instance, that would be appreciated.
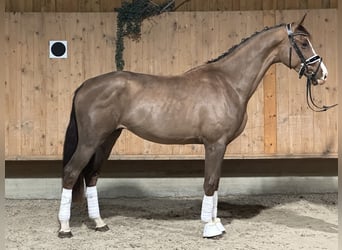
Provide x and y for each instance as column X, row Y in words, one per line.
column 247, row 64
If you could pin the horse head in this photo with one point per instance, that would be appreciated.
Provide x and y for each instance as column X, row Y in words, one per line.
column 301, row 55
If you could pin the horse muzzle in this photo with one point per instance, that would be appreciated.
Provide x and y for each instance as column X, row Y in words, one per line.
column 315, row 70
column 318, row 82
column 324, row 74
column 321, row 77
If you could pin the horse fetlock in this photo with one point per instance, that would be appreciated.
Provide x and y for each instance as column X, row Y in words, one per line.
column 64, row 226
column 100, row 225
column 64, row 231
column 99, row 222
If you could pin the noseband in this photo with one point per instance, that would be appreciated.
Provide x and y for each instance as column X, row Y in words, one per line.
column 304, row 70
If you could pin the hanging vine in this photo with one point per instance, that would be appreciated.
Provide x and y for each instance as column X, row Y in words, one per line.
column 129, row 19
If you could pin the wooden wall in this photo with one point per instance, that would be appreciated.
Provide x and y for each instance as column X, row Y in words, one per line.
column 191, row 5
column 39, row 90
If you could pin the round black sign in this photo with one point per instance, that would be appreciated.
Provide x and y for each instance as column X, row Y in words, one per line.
column 58, row 49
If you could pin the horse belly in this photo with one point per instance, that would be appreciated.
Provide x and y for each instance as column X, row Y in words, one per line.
column 180, row 127
column 164, row 138
column 165, row 133
column 163, row 127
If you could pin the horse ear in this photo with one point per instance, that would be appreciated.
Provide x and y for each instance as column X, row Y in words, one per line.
column 302, row 20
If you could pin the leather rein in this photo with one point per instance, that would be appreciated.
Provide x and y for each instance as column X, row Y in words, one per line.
column 304, row 70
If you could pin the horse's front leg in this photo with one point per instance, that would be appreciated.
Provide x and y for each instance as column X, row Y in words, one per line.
column 214, row 154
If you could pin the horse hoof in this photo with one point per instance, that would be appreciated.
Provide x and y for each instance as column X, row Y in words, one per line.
column 63, row 235
column 105, row 228
column 215, row 237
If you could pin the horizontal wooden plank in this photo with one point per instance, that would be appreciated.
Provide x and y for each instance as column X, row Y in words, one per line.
column 193, row 5
column 182, row 157
column 182, row 168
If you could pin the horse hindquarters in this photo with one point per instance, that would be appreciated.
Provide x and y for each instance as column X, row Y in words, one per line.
column 88, row 142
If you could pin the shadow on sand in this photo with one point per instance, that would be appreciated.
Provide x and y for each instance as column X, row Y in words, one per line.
column 229, row 209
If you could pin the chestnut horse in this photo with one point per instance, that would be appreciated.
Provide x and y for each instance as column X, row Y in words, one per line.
column 205, row 105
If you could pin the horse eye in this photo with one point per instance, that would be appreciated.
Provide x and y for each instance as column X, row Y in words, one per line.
column 305, row 44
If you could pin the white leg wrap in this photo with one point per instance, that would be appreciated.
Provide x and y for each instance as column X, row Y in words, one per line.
column 216, row 220
column 93, row 203
column 207, row 208
column 64, row 209
column 65, row 226
column 213, row 227
column 215, row 201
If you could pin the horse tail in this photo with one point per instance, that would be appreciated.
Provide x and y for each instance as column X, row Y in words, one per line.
column 70, row 145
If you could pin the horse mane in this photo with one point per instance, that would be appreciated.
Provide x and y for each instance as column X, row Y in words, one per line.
column 244, row 40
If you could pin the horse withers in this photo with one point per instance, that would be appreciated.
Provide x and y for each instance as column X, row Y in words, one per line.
column 205, row 105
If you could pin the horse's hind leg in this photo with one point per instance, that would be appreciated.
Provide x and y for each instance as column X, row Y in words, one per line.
column 214, row 154
column 87, row 147
column 86, row 161
column 71, row 173
column 91, row 174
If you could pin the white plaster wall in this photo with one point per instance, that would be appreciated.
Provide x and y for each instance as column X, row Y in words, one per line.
column 38, row 188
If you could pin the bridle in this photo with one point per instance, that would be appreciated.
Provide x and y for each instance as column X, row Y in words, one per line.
column 304, row 69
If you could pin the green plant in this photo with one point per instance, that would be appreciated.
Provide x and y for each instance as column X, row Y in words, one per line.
column 129, row 19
